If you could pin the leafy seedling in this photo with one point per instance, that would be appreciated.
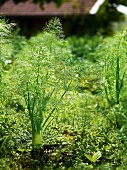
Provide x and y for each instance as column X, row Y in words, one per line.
column 95, row 157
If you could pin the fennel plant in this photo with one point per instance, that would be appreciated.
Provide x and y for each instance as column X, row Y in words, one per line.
column 115, row 61
column 42, row 76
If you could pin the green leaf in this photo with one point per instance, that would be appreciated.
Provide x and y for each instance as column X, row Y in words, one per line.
column 88, row 157
column 21, row 150
column 96, row 156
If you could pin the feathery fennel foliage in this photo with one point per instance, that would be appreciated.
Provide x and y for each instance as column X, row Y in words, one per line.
column 42, row 77
column 55, row 27
column 5, row 41
column 115, row 61
column 114, row 53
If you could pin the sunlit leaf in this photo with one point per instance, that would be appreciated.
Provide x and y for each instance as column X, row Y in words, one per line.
column 88, row 156
column 96, row 156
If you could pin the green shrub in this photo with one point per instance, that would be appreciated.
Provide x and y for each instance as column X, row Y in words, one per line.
column 8, row 46
column 84, row 47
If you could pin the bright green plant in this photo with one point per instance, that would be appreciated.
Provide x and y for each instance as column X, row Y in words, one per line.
column 95, row 157
column 37, row 99
column 114, row 52
column 5, row 41
column 115, row 59
column 42, row 76
column 10, row 42
column 7, row 48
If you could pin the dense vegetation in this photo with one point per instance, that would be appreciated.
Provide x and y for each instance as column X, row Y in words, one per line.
column 62, row 101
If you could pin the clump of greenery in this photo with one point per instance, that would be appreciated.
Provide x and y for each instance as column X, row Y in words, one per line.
column 10, row 42
column 8, row 117
column 4, row 41
column 41, row 77
column 115, row 59
column 114, row 54
column 84, row 47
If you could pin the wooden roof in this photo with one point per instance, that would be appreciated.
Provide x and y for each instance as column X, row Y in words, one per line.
column 28, row 8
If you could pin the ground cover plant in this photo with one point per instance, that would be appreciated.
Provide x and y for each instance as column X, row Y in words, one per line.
column 59, row 111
